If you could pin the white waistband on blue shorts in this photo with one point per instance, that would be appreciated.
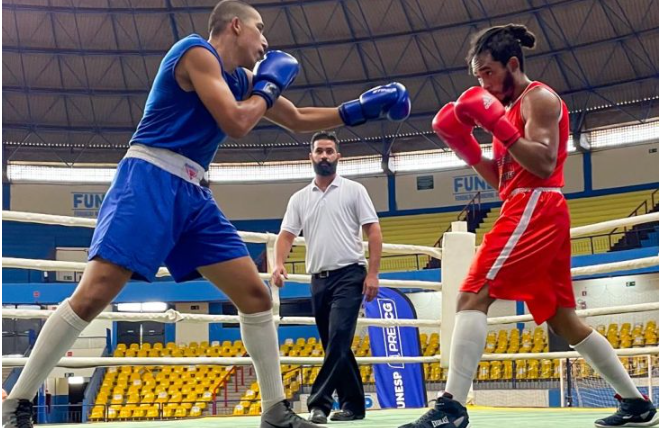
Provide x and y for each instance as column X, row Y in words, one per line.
column 531, row 189
column 169, row 161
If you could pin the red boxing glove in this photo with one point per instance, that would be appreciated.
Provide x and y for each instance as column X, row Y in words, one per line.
column 457, row 135
column 477, row 106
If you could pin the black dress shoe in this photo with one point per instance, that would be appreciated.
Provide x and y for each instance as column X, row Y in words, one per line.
column 317, row 416
column 346, row 415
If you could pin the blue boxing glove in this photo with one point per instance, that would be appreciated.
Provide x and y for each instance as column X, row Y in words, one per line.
column 273, row 75
column 390, row 101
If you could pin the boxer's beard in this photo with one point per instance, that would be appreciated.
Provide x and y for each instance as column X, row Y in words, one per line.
column 508, row 88
column 325, row 168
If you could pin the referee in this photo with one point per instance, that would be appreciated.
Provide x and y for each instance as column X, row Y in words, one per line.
column 333, row 211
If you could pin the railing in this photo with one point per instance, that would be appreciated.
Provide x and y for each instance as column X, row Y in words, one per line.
column 605, row 242
column 469, row 213
column 238, row 373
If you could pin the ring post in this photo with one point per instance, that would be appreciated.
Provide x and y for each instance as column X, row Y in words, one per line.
column 458, row 247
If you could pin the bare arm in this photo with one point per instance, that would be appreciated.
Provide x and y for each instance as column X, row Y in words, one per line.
column 283, row 246
column 538, row 149
column 371, row 284
column 373, row 232
column 305, row 119
column 282, row 250
column 236, row 118
column 487, row 168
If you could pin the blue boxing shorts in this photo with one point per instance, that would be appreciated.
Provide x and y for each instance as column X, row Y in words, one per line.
column 150, row 216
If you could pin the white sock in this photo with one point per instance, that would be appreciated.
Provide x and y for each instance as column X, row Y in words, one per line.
column 258, row 332
column 56, row 337
column 467, row 345
column 598, row 352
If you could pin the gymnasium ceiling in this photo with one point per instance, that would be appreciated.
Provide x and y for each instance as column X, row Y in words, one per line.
column 76, row 73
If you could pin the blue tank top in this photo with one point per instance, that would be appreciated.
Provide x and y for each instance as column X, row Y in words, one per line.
column 178, row 120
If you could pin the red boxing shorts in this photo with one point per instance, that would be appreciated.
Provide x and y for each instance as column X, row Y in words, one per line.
column 526, row 255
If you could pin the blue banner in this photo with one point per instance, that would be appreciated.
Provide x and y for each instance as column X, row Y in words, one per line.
column 398, row 385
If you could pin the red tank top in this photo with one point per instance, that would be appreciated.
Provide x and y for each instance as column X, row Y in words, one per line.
column 511, row 174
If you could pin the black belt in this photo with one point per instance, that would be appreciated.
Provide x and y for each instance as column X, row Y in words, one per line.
column 328, row 273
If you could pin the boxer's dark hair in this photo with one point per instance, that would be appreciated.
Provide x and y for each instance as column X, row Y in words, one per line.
column 224, row 12
column 324, row 135
column 503, row 42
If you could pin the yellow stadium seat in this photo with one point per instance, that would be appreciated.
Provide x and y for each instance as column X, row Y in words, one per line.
column 134, row 346
column 483, row 370
column 162, row 397
column 112, row 413
column 545, row 369
column 195, row 411
column 520, row 369
column 533, row 369
column 138, row 413
column 254, row 409
column 640, row 365
column 121, row 346
column 238, row 410
column 168, row 412
column 153, row 413
column 126, row 412
column 495, row 370
column 97, row 415
column 556, row 371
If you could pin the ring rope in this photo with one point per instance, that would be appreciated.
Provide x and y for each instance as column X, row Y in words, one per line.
column 253, row 237
column 88, row 362
column 62, row 266
column 59, row 266
column 613, row 224
column 172, row 316
column 643, row 262
column 613, row 310
column 249, row 237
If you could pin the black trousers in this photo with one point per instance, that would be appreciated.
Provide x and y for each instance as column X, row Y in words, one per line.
column 336, row 303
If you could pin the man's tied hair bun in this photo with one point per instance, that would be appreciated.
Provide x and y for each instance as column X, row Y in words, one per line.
column 526, row 38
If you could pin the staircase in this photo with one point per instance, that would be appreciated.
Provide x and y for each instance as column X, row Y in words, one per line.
column 641, row 235
column 235, row 390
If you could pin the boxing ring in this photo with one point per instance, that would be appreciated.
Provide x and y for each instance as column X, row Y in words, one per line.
column 457, row 248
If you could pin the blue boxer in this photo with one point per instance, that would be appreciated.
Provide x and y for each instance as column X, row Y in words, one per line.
column 155, row 210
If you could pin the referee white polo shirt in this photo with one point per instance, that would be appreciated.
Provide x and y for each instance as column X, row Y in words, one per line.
column 331, row 222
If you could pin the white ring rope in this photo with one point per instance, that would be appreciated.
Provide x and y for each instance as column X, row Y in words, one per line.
column 253, row 237
column 613, row 310
column 61, row 266
column 613, row 224
column 172, row 316
column 249, row 237
column 87, row 362
column 616, row 266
